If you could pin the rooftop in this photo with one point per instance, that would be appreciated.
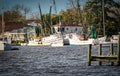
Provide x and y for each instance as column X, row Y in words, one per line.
column 68, row 24
column 9, row 26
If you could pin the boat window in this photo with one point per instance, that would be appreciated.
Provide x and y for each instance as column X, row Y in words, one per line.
column 76, row 29
column 63, row 29
column 53, row 30
column 66, row 28
column 58, row 29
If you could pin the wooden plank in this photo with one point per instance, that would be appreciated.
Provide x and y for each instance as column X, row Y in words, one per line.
column 104, row 58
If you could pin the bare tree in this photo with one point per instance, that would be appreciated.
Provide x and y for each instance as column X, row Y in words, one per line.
column 21, row 9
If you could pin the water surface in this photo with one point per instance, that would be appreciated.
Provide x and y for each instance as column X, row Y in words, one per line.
column 53, row 61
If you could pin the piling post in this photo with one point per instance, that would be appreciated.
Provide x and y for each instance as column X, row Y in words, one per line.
column 111, row 52
column 89, row 54
column 118, row 52
column 100, row 53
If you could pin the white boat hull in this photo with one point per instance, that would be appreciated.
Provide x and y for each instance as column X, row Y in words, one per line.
column 58, row 43
column 53, row 40
column 78, row 42
column 5, row 46
column 75, row 40
column 1, row 46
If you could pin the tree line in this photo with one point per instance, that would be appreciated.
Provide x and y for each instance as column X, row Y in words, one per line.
column 16, row 14
column 91, row 13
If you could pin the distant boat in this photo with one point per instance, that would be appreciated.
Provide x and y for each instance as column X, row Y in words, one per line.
column 53, row 40
column 74, row 39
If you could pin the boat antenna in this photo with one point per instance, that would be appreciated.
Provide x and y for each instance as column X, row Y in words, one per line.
column 3, row 25
column 42, row 20
column 55, row 6
column 103, row 11
column 50, row 18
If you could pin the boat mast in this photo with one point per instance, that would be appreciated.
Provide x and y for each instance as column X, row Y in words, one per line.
column 42, row 20
column 3, row 26
column 50, row 18
column 79, row 11
column 103, row 12
column 54, row 6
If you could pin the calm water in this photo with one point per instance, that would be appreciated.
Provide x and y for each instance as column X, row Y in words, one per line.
column 53, row 61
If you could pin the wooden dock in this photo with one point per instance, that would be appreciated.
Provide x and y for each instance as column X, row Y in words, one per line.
column 103, row 58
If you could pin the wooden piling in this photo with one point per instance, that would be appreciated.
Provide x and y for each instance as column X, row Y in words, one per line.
column 111, row 52
column 103, row 58
column 118, row 52
column 89, row 54
column 100, row 52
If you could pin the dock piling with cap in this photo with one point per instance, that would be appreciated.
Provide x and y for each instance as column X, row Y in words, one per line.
column 105, row 58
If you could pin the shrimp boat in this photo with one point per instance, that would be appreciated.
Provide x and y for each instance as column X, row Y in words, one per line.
column 53, row 40
column 74, row 39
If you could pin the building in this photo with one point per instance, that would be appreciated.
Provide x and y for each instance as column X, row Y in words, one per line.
column 18, row 30
column 12, row 30
column 68, row 28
